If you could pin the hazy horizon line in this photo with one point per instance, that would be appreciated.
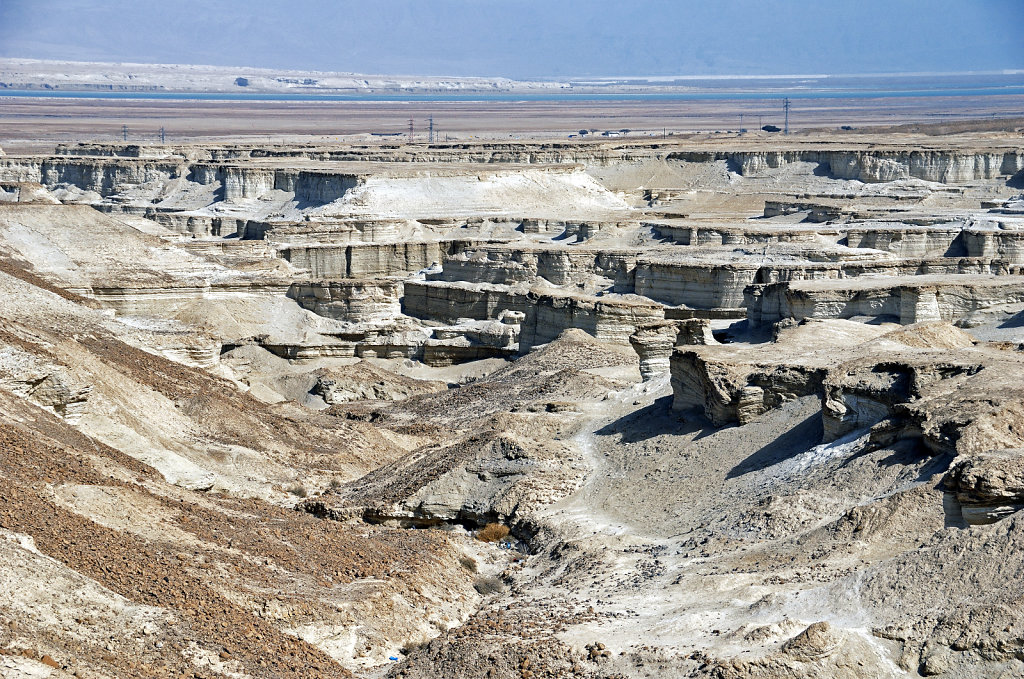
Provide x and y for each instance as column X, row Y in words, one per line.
column 540, row 78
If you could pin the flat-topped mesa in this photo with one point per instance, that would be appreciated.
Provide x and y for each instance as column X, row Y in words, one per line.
column 654, row 342
column 817, row 211
column 858, row 161
column 399, row 338
column 545, row 314
column 908, row 240
column 715, row 278
column 573, row 230
column 124, row 150
column 325, row 231
column 356, row 301
column 328, row 229
column 469, row 260
column 976, row 235
column 511, row 263
column 109, row 177
column 965, row 299
column 366, row 260
column 909, row 234
column 523, row 153
column 448, row 302
column 101, row 175
column 996, row 239
column 472, row 341
column 862, row 374
column 308, row 186
column 607, row 319
column 385, row 189
column 733, row 383
column 694, row 233
column 874, row 165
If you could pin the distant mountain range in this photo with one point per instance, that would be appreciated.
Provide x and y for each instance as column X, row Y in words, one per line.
column 76, row 76
column 33, row 74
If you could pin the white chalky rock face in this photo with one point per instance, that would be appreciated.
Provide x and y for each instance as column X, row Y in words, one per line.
column 532, row 192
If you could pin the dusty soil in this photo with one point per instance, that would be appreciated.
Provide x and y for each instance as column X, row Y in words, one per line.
column 37, row 123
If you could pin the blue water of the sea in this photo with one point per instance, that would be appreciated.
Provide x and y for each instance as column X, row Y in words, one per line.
column 539, row 96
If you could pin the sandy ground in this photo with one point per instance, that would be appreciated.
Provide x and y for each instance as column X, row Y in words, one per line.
column 27, row 124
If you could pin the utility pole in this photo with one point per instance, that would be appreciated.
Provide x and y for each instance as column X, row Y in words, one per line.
column 785, row 106
column 163, row 136
column 410, row 130
column 430, row 137
column 124, row 132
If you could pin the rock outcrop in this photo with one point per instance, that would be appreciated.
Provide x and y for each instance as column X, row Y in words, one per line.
column 654, row 342
column 964, row 299
column 988, row 486
column 363, row 381
column 876, row 165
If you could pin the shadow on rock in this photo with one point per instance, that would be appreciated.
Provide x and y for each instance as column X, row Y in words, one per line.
column 799, row 439
column 654, row 420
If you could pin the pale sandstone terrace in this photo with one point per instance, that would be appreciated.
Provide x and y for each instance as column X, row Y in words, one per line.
column 731, row 408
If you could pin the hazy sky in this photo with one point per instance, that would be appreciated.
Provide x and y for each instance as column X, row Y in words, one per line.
column 528, row 38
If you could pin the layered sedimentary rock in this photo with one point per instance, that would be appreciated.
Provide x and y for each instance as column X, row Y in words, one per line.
column 364, row 381
column 743, row 233
column 828, row 455
column 364, row 260
column 865, row 164
column 359, row 301
column 323, row 230
column 876, row 165
column 864, row 391
column 611, row 320
column 715, row 278
column 545, row 315
column 199, row 225
column 954, row 398
column 739, row 383
column 815, row 211
column 511, row 264
column 988, row 486
column 977, row 238
column 910, row 241
column 926, row 383
column 961, row 298
column 449, row 302
column 107, row 177
column 654, row 342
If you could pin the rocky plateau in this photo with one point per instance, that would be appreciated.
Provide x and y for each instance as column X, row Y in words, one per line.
column 638, row 408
